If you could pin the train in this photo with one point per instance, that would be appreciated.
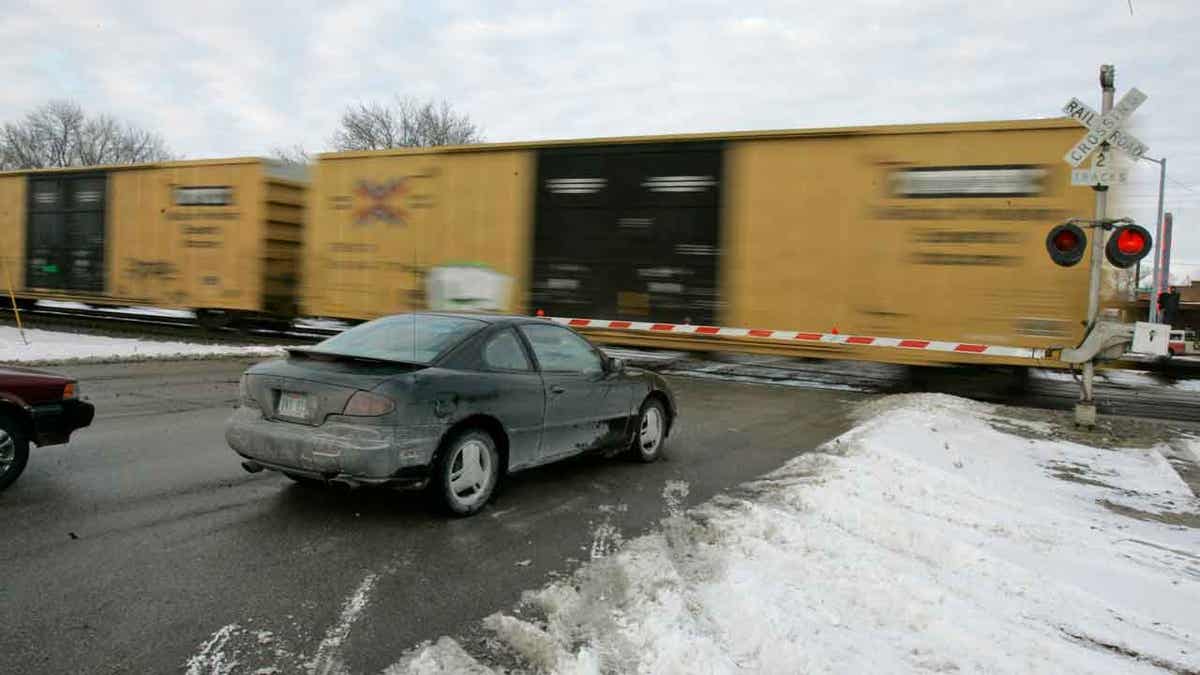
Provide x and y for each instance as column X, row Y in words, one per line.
column 905, row 243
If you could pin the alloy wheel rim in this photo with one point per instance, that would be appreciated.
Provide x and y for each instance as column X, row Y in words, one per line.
column 650, row 435
column 8, row 451
column 470, row 472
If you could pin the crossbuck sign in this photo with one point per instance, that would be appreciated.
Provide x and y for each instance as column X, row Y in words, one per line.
column 1103, row 129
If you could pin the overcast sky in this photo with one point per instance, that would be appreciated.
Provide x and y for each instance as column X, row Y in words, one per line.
column 238, row 78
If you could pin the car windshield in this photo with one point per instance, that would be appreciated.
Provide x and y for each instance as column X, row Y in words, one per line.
column 413, row 338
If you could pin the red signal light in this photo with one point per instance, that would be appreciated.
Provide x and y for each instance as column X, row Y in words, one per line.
column 1066, row 244
column 1066, row 240
column 1130, row 242
column 1127, row 245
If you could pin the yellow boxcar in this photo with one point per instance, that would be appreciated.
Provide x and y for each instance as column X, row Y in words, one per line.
column 933, row 232
column 381, row 221
column 928, row 232
column 220, row 236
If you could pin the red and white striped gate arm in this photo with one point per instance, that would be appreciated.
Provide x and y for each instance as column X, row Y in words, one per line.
column 794, row 336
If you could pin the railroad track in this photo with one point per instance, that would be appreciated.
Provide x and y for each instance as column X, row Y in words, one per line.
column 127, row 324
column 1152, row 396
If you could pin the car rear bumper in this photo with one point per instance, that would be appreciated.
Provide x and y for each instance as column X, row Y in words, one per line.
column 352, row 453
column 53, row 423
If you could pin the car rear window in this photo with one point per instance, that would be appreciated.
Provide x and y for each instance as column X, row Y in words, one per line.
column 414, row 338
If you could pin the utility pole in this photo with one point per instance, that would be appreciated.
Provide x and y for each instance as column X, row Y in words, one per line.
column 1085, row 410
column 1156, row 283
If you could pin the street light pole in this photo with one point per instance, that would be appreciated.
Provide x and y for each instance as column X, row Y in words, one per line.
column 1157, row 282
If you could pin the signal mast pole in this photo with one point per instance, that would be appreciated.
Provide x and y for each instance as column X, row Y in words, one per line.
column 1085, row 410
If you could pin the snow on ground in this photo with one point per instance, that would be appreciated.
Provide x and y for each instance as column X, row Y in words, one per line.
column 132, row 311
column 322, row 324
column 54, row 347
column 926, row 539
column 1125, row 378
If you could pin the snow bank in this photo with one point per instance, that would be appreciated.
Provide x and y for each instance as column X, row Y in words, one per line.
column 924, row 540
column 53, row 347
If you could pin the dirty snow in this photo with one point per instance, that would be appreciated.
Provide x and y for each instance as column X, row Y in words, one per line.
column 1125, row 378
column 211, row 658
column 322, row 324
column 328, row 658
column 149, row 312
column 56, row 347
column 926, row 539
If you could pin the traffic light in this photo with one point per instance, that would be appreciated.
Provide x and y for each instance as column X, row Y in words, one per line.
column 1127, row 245
column 1066, row 244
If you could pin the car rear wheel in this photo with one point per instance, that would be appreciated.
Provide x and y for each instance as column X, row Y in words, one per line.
column 467, row 472
column 14, row 450
column 651, row 431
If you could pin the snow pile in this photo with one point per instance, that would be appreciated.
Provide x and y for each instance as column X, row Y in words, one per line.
column 55, row 347
column 924, row 540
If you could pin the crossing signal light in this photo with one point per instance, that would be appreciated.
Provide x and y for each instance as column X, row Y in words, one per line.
column 1127, row 245
column 1066, row 244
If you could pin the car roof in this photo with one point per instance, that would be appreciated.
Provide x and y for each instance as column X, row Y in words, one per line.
column 488, row 317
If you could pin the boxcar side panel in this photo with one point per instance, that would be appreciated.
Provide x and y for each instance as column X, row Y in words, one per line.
column 927, row 236
column 12, row 232
column 188, row 236
column 379, row 223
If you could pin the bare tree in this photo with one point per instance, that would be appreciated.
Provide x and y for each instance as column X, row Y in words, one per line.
column 60, row 134
column 405, row 123
column 295, row 154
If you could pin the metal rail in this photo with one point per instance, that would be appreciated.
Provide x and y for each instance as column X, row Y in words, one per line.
column 142, row 325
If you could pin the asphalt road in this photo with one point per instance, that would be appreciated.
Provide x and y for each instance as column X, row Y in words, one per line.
column 143, row 545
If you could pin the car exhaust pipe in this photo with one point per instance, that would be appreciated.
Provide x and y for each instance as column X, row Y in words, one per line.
column 252, row 467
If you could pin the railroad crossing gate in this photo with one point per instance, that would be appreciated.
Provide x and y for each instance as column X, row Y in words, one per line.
column 1103, row 129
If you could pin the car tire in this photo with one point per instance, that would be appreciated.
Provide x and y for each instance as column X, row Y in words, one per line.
column 650, row 432
column 14, row 449
column 466, row 472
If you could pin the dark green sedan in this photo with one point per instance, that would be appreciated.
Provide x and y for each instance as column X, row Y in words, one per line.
column 451, row 402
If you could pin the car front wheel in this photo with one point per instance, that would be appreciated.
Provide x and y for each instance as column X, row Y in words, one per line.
column 14, row 450
column 651, row 431
column 467, row 472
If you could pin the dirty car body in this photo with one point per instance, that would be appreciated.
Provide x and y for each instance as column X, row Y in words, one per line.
column 375, row 404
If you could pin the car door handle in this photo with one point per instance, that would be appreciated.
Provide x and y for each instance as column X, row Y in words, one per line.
column 558, row 389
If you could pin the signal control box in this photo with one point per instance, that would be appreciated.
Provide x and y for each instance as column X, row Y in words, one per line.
column 1150, row 338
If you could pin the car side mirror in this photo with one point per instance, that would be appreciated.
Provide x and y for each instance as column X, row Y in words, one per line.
column 616, row 365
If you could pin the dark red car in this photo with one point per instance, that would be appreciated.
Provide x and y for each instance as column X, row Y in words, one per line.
column 36, row 407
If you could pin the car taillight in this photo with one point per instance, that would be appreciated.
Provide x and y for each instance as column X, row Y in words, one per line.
column 244, row 396
column 366, row 404
column 71, row 390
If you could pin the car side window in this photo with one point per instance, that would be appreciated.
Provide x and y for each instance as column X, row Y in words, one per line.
column 558, row 349
column 504, row 352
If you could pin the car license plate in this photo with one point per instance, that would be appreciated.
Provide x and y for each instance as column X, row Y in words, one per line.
column 292, row 404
